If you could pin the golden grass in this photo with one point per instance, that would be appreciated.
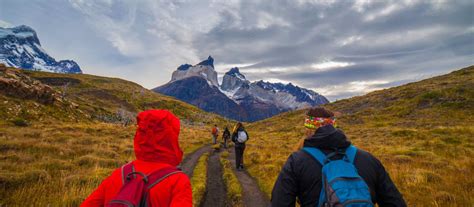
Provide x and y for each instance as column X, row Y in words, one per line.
column 60, row 164
column 198, row 181
column 233, row 186
column 422, row 132
column 57, row 154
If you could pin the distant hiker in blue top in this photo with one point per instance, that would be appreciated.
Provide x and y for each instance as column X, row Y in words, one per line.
column 330, row 171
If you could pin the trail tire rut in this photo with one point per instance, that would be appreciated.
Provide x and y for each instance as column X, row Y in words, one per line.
column 189, row 163
column 216, row 194
column 251, row 195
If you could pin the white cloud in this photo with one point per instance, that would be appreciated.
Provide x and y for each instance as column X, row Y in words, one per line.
column 350, row 40
column 354, row 88
column 276, row 80
column 5, row 24
column 383, row 12
column 330, row 65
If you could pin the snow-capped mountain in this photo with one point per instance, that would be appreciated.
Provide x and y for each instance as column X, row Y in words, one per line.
column 301, row 95
column 198, row 85
column 21, row 48
column 237, row 97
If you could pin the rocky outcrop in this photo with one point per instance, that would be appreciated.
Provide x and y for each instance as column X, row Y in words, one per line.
column 16, row 84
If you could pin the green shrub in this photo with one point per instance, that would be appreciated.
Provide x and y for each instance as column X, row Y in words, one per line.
column 20, row 122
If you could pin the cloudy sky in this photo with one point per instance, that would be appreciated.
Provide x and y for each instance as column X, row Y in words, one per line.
column 338, row 48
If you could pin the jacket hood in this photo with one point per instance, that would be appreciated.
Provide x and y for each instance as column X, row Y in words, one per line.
column 156, row 139
column 327, row 137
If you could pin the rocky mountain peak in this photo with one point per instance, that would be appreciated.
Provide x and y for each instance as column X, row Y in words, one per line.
column 236, row 73
column 184, row 66
column 233, row 80
column 209, row 62
column 204, row 69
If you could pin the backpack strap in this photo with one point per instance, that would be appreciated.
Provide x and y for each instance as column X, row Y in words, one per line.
column 316, row 153
column 127, row 169
column 159, row 175
column 351, row 152
column 155, row 178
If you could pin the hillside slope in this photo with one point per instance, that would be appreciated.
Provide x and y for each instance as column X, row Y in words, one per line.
column 62, row 134
column 91, row 98
column 422, row 132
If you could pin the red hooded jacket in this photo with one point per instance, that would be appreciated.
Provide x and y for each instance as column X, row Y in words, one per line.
column 156, row 146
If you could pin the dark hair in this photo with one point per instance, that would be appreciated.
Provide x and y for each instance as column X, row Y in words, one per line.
column 320, row 112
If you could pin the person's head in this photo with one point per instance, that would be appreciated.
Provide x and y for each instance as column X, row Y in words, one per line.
column 240, row 125
column 156, row 139
column 318, row 117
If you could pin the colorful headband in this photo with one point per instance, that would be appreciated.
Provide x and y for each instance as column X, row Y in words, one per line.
column 316, row 122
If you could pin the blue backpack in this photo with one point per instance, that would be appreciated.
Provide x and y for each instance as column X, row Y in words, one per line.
column 342, row 185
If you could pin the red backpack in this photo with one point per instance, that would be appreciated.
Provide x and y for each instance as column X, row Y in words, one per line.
column 136, row 186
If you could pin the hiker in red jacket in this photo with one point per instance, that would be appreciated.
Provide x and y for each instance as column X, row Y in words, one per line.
column 215, row 134
column 156, row 147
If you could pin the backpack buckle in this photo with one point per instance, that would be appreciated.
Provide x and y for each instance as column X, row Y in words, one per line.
column 145, row 178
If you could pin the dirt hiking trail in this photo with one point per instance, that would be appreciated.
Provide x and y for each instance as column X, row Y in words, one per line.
column 216, row 193
column 251, row 195
column 191, row 159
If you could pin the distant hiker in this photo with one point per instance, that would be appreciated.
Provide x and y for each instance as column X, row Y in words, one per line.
column 239, row 137
column 215, row 134
column 152, row 178
column 225, row 136
column 350, row 176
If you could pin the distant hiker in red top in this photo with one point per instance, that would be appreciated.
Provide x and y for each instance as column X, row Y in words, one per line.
column 215, row 134
column 156, row 148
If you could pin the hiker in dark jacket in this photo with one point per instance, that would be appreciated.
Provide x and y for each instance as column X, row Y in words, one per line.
column 239, row 137
column 225, row 136
column 300, row 177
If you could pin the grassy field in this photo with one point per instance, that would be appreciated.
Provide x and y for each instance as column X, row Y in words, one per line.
column 422, row 132
column 60, row 164
column 56, row 154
